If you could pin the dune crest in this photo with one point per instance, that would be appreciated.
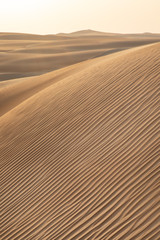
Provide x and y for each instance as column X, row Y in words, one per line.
column 79, row 158
column 12, row 93
column 26, row 55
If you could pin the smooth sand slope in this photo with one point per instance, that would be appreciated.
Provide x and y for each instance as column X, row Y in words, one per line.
column 23, row 55
column 79, row 157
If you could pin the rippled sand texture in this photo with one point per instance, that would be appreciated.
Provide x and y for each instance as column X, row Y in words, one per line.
column 79, row 152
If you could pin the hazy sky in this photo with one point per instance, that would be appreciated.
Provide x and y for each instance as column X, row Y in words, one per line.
column 54, row 16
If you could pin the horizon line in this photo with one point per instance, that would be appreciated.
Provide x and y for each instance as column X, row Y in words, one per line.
column 76, row 31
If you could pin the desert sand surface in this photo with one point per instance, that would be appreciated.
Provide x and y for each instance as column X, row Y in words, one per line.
column 79, row 143
column 24, row 55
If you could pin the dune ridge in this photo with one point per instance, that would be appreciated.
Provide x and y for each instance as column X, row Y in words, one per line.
column 79, row 158
column 26, row 55
column 16, row 91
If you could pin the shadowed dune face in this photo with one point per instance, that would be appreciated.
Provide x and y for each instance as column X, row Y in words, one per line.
column 24, row 55
column 79, row 154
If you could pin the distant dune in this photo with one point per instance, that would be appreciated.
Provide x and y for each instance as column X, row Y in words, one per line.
column 27, row 36
column 79, row 152
column 89, row 32
column 25, row 55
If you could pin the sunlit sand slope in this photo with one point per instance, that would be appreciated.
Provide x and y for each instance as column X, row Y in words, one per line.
column 23, row 55
column 79, row 158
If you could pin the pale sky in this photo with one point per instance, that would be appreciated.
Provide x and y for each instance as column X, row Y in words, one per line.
column 55, row 16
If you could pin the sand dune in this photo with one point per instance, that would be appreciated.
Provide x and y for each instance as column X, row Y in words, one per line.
column 25, row 36
column 24, row 55
column 79, row 152
column 92, row 33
